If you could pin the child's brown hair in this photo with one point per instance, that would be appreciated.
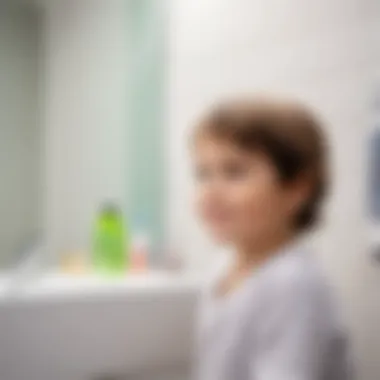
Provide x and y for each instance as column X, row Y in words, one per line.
column 286, row 132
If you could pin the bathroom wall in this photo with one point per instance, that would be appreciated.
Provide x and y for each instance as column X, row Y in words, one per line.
column 20, row 132
column 322, row 52
column 86, row 69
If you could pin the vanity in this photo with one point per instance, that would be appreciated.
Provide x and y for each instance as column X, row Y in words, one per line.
column 88, row 328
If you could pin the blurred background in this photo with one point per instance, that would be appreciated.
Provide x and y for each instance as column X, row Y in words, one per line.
column 97, row 98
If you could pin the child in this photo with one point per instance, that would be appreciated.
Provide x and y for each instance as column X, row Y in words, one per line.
column 261, row 176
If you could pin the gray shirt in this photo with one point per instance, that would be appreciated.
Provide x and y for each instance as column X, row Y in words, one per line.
column 281, row 324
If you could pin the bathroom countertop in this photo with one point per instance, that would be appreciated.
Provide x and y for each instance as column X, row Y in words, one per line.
column 57, row 286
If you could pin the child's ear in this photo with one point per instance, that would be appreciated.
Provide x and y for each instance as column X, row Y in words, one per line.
column 300, row 192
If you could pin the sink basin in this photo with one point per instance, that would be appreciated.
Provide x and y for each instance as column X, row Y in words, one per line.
column 80, row 327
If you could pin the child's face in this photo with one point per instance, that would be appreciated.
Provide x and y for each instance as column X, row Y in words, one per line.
column 239, row 196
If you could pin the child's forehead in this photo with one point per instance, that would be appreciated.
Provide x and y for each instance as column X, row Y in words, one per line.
column 207, row 142
column 208, row 146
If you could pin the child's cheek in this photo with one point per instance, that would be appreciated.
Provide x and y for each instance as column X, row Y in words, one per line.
column 256, row 207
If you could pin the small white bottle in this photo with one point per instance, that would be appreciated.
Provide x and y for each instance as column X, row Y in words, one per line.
column 140, row 252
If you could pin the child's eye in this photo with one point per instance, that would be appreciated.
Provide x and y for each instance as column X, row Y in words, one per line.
column 202, row 174
column 235, row 171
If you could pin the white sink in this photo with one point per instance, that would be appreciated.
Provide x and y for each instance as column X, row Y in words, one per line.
column 80, row 328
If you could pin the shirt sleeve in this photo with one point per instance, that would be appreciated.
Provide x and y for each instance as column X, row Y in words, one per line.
column 291, row 335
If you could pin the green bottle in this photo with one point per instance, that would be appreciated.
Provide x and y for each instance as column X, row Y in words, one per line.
column 110, row 245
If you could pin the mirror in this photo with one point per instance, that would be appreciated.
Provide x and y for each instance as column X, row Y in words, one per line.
column 76, row 81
